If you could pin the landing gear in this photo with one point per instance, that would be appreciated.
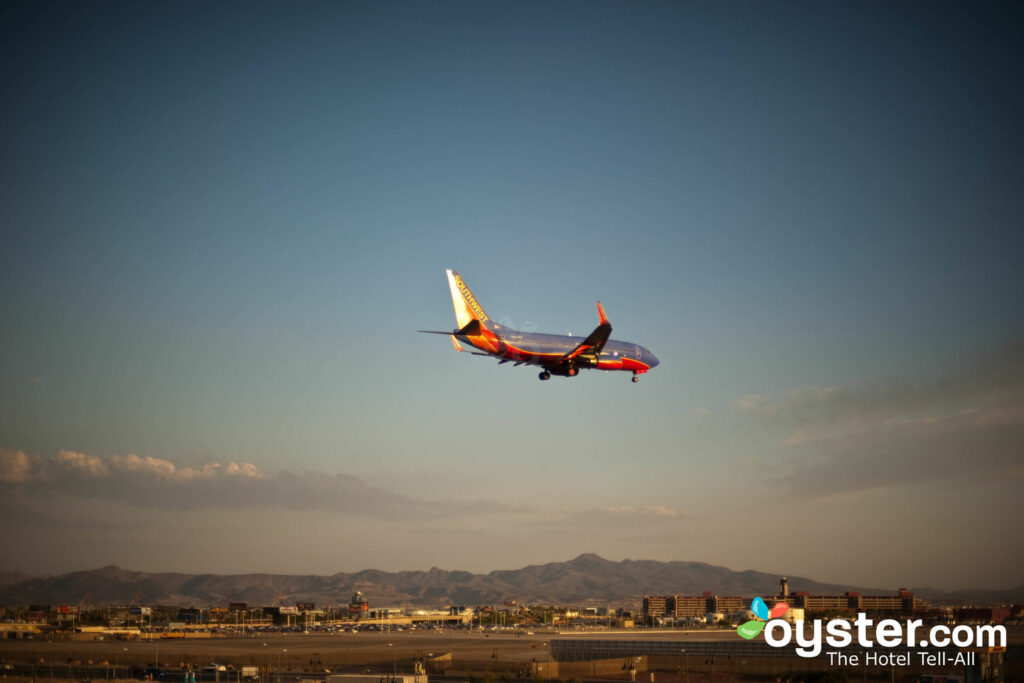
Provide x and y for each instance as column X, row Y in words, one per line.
column 544, row 376
column 636, row 378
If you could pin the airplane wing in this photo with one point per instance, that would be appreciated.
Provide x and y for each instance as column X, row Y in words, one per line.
column 595, row 341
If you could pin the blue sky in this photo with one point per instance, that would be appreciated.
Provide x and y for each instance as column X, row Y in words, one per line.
column 222, row 225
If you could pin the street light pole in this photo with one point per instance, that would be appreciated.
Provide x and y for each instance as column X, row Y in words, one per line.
column 686, row 657
column 116, row 655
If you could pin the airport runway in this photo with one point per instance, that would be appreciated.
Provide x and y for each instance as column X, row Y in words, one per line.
column 294, row 651
column 291, row 658
column 297, row 651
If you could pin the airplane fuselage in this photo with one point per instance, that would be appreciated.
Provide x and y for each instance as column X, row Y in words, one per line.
column 557, row 354
column 536, row 348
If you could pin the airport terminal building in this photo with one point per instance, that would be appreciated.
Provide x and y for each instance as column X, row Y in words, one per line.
column 902, row 603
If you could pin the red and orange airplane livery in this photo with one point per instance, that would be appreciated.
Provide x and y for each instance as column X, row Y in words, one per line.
column 557, row 354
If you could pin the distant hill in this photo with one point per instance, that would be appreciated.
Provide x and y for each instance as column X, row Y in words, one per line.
column 976, row 596
column 588, row 579
column 9, row 578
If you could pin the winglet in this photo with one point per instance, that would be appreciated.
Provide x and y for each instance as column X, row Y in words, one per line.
column 600, row 313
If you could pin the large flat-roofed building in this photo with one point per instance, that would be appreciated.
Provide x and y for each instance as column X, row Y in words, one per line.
column 820, row 603
column 728, row 604
column 659, row 606
column 690, row 606
column 880, row 603
column 677, row 648
column 904, row 602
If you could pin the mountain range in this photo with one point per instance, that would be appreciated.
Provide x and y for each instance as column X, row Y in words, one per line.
column 588, row 579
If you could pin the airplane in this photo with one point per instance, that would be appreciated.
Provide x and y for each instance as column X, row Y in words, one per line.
column 556, row 354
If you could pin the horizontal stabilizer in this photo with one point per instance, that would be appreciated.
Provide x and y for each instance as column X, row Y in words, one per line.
column 472, row 329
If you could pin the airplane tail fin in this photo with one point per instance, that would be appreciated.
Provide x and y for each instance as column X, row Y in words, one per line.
column 469, row 314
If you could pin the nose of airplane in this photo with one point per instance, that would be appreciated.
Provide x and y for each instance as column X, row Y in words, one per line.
column 650, row 358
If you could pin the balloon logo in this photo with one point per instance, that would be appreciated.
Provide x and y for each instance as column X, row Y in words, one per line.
column 751, row 628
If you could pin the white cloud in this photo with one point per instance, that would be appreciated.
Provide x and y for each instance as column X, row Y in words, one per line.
column 655, row 510
column 14, row 466
column 158, row 483
column 966, row 425
column 753, row 402
column 87, row 465
column 133, row 463
column 603, row 519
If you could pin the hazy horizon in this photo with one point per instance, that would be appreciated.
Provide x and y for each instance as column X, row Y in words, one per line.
column 224, row 223
column 791, row 575
column 794, row 577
